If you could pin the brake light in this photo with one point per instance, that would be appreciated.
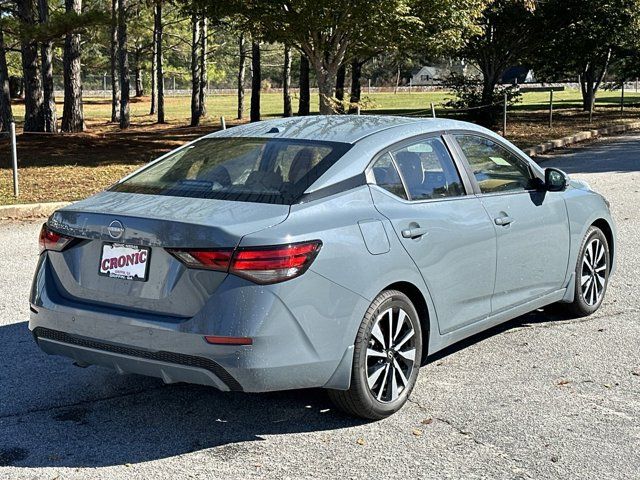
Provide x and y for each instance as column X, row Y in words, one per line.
column 261, row 265
column 50, row 240
column 207, row 259
column 274, row 264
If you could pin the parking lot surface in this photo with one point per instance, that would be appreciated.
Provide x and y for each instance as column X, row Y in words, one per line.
column 542, row 396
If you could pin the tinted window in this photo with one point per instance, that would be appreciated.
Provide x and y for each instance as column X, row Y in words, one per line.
column 428, row 170
column 387, row 176
column 246, row 169
column 496, row 169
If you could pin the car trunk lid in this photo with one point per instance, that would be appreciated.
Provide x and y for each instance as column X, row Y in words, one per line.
column 157, row 222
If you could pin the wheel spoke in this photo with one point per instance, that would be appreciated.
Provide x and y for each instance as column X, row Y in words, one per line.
column 599, row 253
column 394, row 385
column 400, row 373
column 584, row 279
column 371, row 379
column 390, row 332
column 409, row 354
column 405, row 339
column 375, row 353
column 402, row 315
column 384, row 381
column 377, row 334
column 599, row 269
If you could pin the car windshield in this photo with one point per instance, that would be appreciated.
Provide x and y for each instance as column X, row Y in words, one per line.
column 236, row 168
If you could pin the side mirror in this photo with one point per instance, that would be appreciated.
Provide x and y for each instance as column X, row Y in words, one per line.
column 555, row 180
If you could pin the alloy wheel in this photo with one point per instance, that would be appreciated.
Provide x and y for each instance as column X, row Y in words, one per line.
column 594, row 272
column 391, row 354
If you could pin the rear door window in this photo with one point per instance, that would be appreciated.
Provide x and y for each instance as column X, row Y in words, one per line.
column 428, row 170
column 238, row 168
column 386, row 176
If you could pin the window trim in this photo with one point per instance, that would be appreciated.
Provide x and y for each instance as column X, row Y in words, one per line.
column 472, row 178
column 460, row 167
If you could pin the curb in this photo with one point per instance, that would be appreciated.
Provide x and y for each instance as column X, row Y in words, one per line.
column 579, row 137
column 29, row 210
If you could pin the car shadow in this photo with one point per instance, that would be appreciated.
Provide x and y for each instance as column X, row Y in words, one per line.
column 53, row 414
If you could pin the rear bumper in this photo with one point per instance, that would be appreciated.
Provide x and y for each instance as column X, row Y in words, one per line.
column 171, row 367
column 299, row 341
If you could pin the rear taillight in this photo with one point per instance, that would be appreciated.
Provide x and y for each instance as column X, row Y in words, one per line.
column 207, row 259
column 50, row 240
column 259, row 264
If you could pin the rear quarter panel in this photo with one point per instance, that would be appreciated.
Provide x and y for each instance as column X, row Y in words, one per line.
column 345, row 261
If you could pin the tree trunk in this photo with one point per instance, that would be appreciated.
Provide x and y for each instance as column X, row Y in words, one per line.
column 304, row 103
column 590, row 81
column 395, row 90
column 202, row 93
column 241, row 69
column 115, row 80
column 339, row 94
column 326, row 84
column 123, row 64
column 33, row 97
column 256, row 81
column 286, row 82
column 154, row 54
column 138, row 75
column 72, row 116
column 195, row 74
column 356, row 92
column 46, row 58
column 159, row 79
column 6, row 114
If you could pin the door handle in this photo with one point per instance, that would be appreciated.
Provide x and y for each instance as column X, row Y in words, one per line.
column 503, row 221
column 414, row 232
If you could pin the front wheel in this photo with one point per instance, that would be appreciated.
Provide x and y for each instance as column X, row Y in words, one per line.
column 387, row 355
column 591, row 274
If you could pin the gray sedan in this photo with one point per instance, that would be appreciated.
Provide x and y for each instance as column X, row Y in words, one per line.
column 333, row 252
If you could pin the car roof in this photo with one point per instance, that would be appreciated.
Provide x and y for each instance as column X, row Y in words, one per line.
column 335, row 128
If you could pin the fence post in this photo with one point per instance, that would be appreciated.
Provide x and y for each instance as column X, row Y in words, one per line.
column 14, row 158
column 504, row 116
column 223, row 123
column 551, row 108
column 358, row 110
column 622, row 98
column 433, row 111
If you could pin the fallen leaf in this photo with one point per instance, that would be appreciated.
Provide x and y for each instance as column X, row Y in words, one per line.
column 564, row 382
column 360, row 441
column 427, row 421
column 416, row 432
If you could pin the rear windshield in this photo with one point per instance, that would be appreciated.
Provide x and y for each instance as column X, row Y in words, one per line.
column 235, row 168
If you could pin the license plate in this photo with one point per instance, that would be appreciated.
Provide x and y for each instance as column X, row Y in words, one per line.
column 127, row 262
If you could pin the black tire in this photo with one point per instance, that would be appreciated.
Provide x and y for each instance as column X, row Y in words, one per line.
column 583, row 301
column 359, row 400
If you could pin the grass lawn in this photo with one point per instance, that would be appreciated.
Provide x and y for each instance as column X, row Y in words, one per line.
column 70, row 167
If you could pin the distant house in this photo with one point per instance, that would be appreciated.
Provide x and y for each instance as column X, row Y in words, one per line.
column 436, row 73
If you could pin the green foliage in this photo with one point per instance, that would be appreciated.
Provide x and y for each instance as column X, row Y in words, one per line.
column 581, row 34
column 468, row 97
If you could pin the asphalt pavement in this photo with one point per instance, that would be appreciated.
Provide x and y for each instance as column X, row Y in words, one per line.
column 541, row 396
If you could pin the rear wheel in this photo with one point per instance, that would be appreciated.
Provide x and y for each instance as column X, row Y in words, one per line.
column 592, row 274
column 386, row 360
